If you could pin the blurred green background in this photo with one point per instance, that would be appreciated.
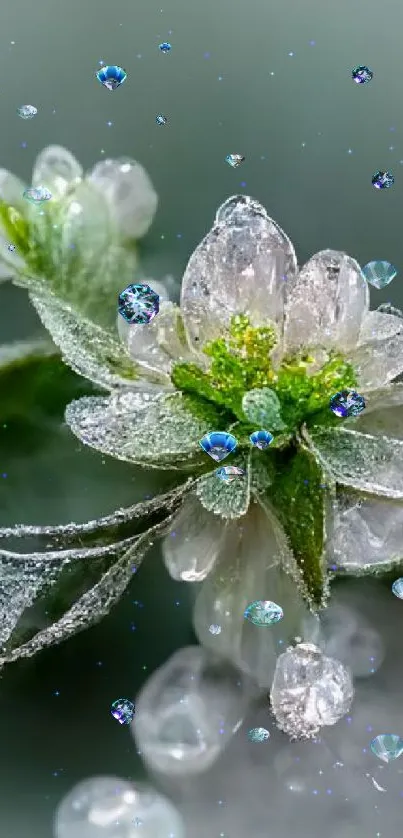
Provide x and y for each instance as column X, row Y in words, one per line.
column 271, row 82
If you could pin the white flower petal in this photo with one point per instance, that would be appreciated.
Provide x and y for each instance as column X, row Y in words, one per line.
column 239, row 268
column 372, row 464
column 383, row 414
column 378, row 326
column 249, row 568
column 326, row 303
column 193, row 542
column 57, row 169
column 153, row 430
column 378, row 363
column 11, row 191
column 158, row 344
column 368, row 534
column 129, row 192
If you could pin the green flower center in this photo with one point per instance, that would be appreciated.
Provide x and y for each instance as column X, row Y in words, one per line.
column 294, row 393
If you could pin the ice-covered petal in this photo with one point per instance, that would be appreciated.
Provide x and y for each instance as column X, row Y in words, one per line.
column 251, row 567
column 158, row 344
column 372, row 464
column 383, row 414
column 239, row 268
column 153, row 430
column 377, row 325
column 12, row 190
column 57, row 169
column 326, row 303
column 227, row 500
column 129, row 192
column 367, row 535
column 378, row 362
column 191, row 546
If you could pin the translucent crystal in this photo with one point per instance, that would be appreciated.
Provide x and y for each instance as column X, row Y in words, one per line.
column 37, row 194
column 387, row 746
column 229, row 473
column 379, row 274
column 27, row 111
column 123, row 710
column 347, row 403
column 165, row 47
column 362, row 75
column 261, row 439
column 258, row 734
column 187, row 712
column 129, row 194
column 397, row 588
column 218, row 445
column 309, row 691
column 382, row 180
column 263, row 613
column 108, row 807
column 161, row 119
column 366, row 534
column 191, row 546
column 111, row 76
column 138, row 303
column 58, row 168
column 214, row 629
column 234, row 160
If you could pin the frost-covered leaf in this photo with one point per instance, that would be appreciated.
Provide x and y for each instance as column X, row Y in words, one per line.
column 262, row 407
column 372, row 464
column 298, row 494
column 228, row 500
column 86, row 348
column 153, row 430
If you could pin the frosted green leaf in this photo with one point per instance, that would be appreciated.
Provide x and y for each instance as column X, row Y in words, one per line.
column 262, row 408
column 372, row 464
column 262, row 471
column 85, row 347
column 153, row 430
column 229, row 500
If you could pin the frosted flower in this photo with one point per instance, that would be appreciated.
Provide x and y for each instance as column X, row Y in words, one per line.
column 254, row 337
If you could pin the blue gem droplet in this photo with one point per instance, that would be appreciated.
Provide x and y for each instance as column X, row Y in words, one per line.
column 261, row 439
column 397, row 588
column 347, row 403
column 218, row 445
column 362, row 75
column 387, row 746
column 123, row 710
column 382, row 180
column 234, row 160
column 165, row 47
column 37, row 195
column 258, row 734
column 138, row 304
column 379, row 274
column 263, row 612
column 161, row 119
column 230, row 473
column 111, row 76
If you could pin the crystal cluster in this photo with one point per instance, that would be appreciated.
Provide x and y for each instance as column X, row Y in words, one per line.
column 309, row 691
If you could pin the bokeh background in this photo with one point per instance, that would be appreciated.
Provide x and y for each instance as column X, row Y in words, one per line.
column 271, row 81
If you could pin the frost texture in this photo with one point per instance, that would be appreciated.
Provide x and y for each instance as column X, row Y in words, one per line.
column 262, row 407
column 228, row 500
column 367, row 535
column 151, row 430
column 371, row 464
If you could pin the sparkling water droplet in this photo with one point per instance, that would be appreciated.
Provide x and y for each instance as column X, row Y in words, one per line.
column 27, row 111
column 165, row 47
column 261, row 439
column 230, row 473
column 218, row 445
column 382, row 180
column 347, row 403
column 362, row 75
column 263, row 612
column 161, row 119
column 387, row 746
column 215, row 629
column 379, row 273
column 111, row 76
column 397, row 587
column 138, row 304
column 37, row 194
column 11, row 248
column 258, row 734
column 123, row 710
column 234, row 160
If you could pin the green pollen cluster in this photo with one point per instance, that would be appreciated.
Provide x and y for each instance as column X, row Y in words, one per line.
column 241, row 361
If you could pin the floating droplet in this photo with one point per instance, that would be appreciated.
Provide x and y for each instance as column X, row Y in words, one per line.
column 258, row 734
column 234, row 160
column 379, row 274
column 123, row 710
column 161, row 119
column 165, row 47
column 387, row 746
column 362, row 75
column 347, row 403
column 138, row 304
column 27, row 111
column 218, row 445
column 111, row 76
column 11, row 248
column 215, row 629
column 37, row 194
column 397, row 588
column 261, row 439
column 230, row 473
column 382, row 180
column 263, row 612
